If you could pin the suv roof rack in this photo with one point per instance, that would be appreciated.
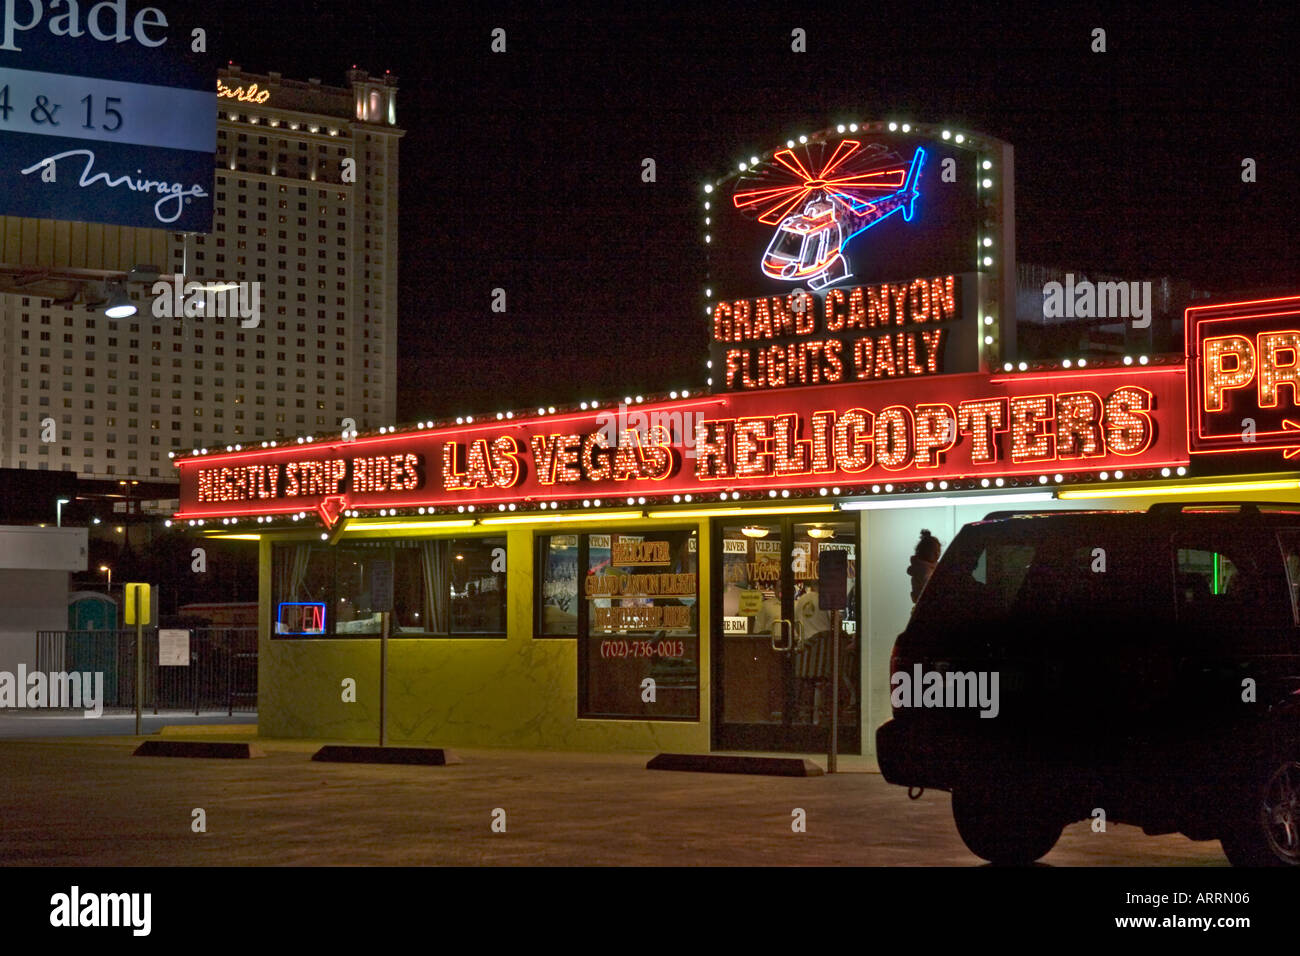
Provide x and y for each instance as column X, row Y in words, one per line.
column 1243, row 507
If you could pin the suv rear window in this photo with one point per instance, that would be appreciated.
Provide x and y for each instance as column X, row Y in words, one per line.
column 1231, row 578
column 1030, row 569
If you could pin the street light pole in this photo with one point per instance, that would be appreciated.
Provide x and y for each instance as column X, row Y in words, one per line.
column 59, row 511
column 128, row 486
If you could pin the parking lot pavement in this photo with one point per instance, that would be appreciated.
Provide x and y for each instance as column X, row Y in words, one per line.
column 88, row 802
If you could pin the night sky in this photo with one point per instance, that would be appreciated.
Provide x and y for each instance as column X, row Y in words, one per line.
column 522, row 170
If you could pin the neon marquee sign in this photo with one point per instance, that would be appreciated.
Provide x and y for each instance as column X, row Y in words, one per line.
column 889, row 330
column 250, row 94
column 309, row 479
column 1244, row 366
column 957, row 426
column 799, row 240
column 1055, row 427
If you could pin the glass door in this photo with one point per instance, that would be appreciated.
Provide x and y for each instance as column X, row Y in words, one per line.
column 773, row 644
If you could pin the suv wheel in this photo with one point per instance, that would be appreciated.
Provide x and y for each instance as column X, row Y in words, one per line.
column 1008, row 828
column 1267, row 833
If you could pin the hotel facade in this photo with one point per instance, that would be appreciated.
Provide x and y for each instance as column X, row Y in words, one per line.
column 306, row 207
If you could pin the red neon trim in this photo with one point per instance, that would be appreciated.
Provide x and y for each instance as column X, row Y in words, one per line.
column 1010, row 377
column 1195, row 340
column 1241, row 304
column 617, row 500
column 457, row 429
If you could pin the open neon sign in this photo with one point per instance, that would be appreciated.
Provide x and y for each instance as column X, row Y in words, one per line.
column 300, row 618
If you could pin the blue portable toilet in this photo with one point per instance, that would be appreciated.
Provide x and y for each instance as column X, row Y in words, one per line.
column 92, row 637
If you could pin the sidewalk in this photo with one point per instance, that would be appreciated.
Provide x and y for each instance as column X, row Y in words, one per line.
column 88, row 802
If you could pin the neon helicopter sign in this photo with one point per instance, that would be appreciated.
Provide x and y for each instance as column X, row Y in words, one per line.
column 827, row 220
column 854, row 189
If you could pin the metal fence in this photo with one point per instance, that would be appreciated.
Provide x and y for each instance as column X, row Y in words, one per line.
column 221, row 674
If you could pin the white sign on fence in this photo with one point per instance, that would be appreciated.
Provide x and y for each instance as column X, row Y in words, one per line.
column 173, row 648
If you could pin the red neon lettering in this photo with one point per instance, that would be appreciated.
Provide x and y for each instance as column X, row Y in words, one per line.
column 982, row 419
column 1031, row 435
column 936, row 432
column 1078, row 425
column 893, row 437
column 1128, row 424
column 711, row 450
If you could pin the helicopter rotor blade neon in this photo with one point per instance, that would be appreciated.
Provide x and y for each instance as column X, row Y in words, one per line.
column 778, row 212
column 791, row 162
column 839, row 156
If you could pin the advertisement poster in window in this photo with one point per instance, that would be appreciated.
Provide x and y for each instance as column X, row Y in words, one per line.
column 642, row 644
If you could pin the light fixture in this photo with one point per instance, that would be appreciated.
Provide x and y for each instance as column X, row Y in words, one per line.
column 754, row 531
column 534, row 519
column 409, row 525
column 724, row 512
column 1232, row 487
column 881, row 504
column 821, row 533
column 119, row 304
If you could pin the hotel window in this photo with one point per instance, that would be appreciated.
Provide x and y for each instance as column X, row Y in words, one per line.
column 635, row 615
column 441, row 588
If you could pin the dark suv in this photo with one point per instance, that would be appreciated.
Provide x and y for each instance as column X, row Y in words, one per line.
column 1135, row 667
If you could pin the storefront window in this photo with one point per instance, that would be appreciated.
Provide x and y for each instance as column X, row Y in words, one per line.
column 478, row 586
column 636, row 618
column 441, row 588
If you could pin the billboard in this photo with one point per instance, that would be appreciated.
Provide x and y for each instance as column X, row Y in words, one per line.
column 107, row 114
column 848, row 436
column 823, row 248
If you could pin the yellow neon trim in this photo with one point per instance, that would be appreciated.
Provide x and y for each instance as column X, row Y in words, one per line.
column 557, row 519
column 407, row 525
column 722, row 512
column 1223, row 488
column 234, row 537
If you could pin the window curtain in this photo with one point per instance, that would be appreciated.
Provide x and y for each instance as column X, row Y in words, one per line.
column 291, row 573
column 437, row 586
